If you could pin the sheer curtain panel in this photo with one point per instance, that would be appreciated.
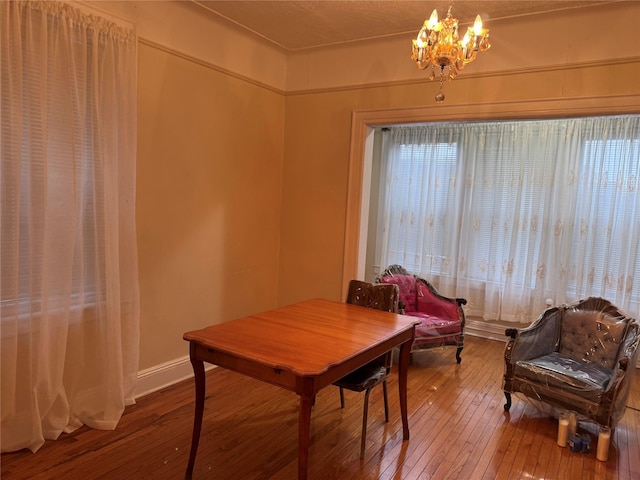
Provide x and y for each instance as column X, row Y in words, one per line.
column 69, row 286
column 508, row 214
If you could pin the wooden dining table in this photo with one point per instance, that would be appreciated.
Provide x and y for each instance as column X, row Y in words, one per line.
column 302, row 347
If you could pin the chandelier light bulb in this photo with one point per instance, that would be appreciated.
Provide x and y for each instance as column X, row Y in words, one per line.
column 477, row 26
column 433, row 20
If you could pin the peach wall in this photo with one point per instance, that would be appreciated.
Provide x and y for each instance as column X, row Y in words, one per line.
column 208, row 199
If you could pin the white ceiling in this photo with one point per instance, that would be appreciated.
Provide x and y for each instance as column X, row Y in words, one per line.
column 297, row 25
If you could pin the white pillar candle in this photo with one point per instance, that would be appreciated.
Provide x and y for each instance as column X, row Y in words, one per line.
column 563, row 431
column 604, row 437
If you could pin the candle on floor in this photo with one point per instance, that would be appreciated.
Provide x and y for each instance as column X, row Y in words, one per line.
column 604, row 437
column 563, row 429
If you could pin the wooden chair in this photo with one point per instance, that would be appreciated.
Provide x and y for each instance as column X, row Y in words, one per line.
column 380, row 297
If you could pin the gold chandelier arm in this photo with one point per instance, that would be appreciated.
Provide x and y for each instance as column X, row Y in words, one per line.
column 471, row 56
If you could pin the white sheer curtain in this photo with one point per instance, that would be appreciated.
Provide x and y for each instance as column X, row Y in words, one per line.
column 69, row 286
column 509, row 214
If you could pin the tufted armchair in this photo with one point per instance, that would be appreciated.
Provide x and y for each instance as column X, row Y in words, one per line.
column 574, row 357
column 441, row 318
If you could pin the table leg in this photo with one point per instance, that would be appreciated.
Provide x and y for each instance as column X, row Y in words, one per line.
column 403, row 367
column 304, row 430
column 198, row 371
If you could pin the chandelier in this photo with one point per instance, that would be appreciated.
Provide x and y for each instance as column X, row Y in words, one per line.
column 438, row 46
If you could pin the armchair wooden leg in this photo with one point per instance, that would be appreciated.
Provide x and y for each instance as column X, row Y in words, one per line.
column 507, row 405
column 458, row 359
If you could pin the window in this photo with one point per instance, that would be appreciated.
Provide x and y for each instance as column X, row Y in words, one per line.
column 408, row 198
column 518, row 211
column 609, row 184
column 51, row 170
column 69, row 280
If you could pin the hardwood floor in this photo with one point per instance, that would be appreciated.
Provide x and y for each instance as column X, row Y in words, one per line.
column 458, row 431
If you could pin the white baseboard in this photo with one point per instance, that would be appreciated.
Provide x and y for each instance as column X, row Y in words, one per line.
column 479, row 328
column 164, row 375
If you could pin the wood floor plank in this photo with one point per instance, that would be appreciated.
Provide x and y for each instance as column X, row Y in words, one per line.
column 633, row 426
column 459, row 430
column 525, row 458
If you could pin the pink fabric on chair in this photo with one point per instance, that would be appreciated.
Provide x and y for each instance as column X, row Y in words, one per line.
column 435, row 326
column 408, row 294
column 428, row 302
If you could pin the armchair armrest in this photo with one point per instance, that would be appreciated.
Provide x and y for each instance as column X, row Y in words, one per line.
column 629, row 350
column 628, row 354
column 539, row 338
column 617, row 390
column 511, row 332
column 432, row 302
